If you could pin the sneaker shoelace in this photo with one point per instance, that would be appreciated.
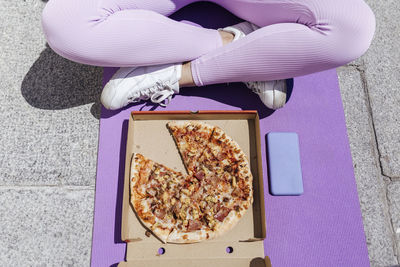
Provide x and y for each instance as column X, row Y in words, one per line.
column 157, row 94
column 255, row 86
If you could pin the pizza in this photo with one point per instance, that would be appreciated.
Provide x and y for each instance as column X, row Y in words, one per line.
column 203, row 204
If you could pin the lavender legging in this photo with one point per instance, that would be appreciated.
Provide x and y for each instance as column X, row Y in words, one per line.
column 296, row 37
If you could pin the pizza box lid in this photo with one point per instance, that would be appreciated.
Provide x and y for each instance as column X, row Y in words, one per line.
column 243, row 244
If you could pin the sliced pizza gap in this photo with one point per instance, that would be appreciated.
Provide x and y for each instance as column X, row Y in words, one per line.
column 191, row 138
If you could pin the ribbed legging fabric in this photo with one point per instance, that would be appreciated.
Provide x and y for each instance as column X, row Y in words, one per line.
column 296, row 37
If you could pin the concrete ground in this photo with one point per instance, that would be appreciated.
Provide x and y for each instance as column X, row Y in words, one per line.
column 49, row 128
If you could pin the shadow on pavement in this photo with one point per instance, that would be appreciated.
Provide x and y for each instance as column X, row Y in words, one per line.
column 55, row 83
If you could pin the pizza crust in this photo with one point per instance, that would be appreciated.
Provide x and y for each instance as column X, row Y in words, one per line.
column 140, row 171
column 161, row 233
column 142, row 209
column 229, row 223
column 140, row 205
column 182, row 237
column 184, row 124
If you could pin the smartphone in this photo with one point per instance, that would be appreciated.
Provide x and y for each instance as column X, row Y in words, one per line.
column 284, row 166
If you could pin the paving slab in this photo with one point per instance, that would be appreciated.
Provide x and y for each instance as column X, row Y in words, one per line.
column 49, row 226
column 394, row 205
column 382, row 70
column 49, row 127
column 370, row 183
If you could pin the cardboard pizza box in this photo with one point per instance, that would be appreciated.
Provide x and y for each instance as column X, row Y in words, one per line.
column 242, row 245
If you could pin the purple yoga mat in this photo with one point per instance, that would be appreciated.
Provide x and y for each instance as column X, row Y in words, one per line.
column 322, row 227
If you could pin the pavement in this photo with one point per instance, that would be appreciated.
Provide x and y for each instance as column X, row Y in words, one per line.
column 50, row 121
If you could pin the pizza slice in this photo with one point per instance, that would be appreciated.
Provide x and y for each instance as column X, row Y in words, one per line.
column 225, row 172
column 154, row 189
column 191, row 138
column 141, row 169
column 224, row 156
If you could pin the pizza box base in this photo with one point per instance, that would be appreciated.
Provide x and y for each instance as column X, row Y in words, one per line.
column 148, row 135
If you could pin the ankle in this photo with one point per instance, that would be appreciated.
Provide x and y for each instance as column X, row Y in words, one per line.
column 227, row 37
column 186, row 79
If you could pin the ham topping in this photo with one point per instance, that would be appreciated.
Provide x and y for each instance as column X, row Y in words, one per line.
column 236, row 192
column 221, row 156
column 222, row 213
column 211, row 179
column 199, row 175
column 160, row 213
column 194, row 225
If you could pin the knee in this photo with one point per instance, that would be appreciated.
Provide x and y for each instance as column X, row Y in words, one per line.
column 359, row 32
column 64, row 29
column 53, row 24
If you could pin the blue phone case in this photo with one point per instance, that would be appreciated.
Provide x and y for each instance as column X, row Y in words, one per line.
column 284, row 164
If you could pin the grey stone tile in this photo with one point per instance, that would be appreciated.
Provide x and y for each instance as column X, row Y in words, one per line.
column 48, row 134
column 394, row 205
column 382, row 75
column 45, row 226
column 370, row 183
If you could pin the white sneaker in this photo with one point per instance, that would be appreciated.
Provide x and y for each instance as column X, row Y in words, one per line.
column 271, row 93
column 133, row 84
